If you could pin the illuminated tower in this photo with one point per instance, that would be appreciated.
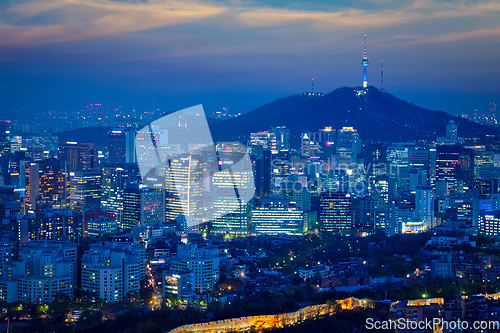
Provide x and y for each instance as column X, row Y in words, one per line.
column 364, row 62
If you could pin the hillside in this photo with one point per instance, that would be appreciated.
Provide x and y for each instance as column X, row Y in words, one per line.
column 378, row 116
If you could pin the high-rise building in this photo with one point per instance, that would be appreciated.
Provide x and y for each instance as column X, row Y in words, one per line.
column 335, row 212
column 382, row 190
column 50, row 224
column 452, row 130
column 375, row 159
column 274, row 216
column 424, row 206
column 301, row 196
column 349, row 143
column 483, row 160
column 78, row 156
column 387, row 219
column 454, row 163
column 466, row 211
column 398, row 163
column 266, row 140
column 364, row 216
column 4, row 137
column 486, row 186
column 183, row 186
column 8, row 251
column 282, row 135
column 451, row 137
column 45, row 184
column 263, row 178
column 121, row 145
column 16, row 143
column 113, row 271
column 280, row 166
column 85, row 189
column 142, row 206
column 419, row 158
column 416, row 177
column 203, row 262
column 466, row 167
column 114, row 179
column 317, row 144
column 232, row 214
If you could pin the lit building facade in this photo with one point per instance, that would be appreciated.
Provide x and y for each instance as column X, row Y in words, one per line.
column 276, row 216
column 78, row 156
column 114, row 179
column 203, row 262
column 113, row 271
column 85, row 189
column 142, row 206
column 335, row 213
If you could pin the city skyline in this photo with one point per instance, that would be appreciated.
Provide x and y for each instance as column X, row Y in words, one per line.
column 67, row 54
column 247, row 166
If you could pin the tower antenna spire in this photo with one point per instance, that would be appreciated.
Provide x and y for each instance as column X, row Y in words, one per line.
column 364, row 62
column 382, row 75
column 312, row 85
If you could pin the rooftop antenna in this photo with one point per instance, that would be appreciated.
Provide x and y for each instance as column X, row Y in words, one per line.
column 312, row 85
column 382, row 75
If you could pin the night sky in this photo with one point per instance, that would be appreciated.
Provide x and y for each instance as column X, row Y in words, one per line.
column 65, row 54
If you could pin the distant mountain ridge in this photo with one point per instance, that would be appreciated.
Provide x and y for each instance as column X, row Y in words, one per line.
column 377, row 115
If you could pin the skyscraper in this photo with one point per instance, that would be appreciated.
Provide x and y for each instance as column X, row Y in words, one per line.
column 452, row 130
column 267, row 141
column 121, row 145
column 398, row 163
column 142, row 206
column 50, row 225
column 282, row 135
column 349, row 143
column 375, row 159
column 452, row 164
column 114, row 179
column 78, row 156
column 184, row 188
column 4, row 137
column 232, row 216
column 85, row 189
column 45, row 184
column 263, row 184
column 335, row 212
column 424, row 206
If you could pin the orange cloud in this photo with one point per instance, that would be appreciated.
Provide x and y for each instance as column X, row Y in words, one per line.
column 85, row 19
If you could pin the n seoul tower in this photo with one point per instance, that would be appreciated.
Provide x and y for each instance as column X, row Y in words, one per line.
column 364, row 62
